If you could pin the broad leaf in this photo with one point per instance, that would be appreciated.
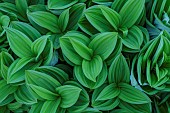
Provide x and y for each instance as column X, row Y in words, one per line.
column 45, row 20
column 69, row 95
column 60, row 4
column 19, row 42
column 103, row 44
column 131, row 11
column 132, row 95
column 119, row 70
column 109, row 92
column 92, row 68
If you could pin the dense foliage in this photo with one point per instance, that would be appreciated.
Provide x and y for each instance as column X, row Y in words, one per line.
column 85, row 56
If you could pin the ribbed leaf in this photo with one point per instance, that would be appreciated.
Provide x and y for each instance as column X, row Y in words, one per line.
column 50, row 106
column 81, row 49
column 6, row 89
column 60, row 4
column 45, row 20
column 38, row 45
column 63, row 20
column 23, row 95
column 41, row 79
column 131, row 11
column 69, row 51
column 27, row 29
column 109, row 92
column 119, row 70
column 104, row 44
column 92, row 68
column 17, row 40
column 132, row 95
column 69, row 95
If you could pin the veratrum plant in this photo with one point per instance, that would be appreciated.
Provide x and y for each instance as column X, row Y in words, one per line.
column 118, row 92
column 99, row 18
column 46, row 84
column 151, row 67
column 88, row 56
column 158, row 18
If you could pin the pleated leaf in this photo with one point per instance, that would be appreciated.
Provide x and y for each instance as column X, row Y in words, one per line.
column 19, row 42
column 69, row 95
column 131, row 11
column 132, row 95
column 119, row 70
column 46, row 20
column 92, row 68
column 50, row 106
column 27, row 29
column 69, row 51
column 23, row 95
column 60, row 4
column 104, row 44
column 109, row 92
column 81, row 49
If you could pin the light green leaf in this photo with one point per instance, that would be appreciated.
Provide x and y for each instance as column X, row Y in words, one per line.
column 63, row 20
column 109, row 92
column 46, row 20
column 119, row 70
column 103, row 44
column 19, row 42
column 6, row 89
column 132, row 95
column 92, row 68
column 42, row 92
column 23, row 95
column 21, row 6
column 27, row 29
column 50, row 106
column 69, row 51
column 131, row 11
column 81, row 49
column 38, row 45
column 41, row 79
column 69, row 95
column 60, row 4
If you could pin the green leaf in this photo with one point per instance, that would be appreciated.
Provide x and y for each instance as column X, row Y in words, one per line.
column 41, row 79
column 104, row 44
column 69, row 51
column 38, row 45
column 50, row 106
column 112, row 16
column 27, row 29
column 55, row 72
column 75, row 12
column 69, row 95
column 92, row 68
column 132, row 95
column 63, row 20
column 6, row 89
column 16, row 71
column 36, row 108
column 17, row 40
column 60, row 4
column 23, row 95
column 43, row 93
column 133, row 40
column 109, row 92
column 81, row 49
column 96, row 18
column 21, row 6
column 46, row 20
column 131, row 11
column 88, row 83
column 119, row 70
